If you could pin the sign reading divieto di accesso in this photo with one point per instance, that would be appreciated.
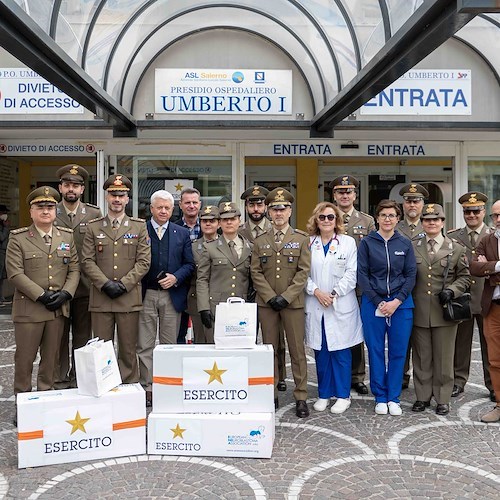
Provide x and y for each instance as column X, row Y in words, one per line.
column 223, row 91
column 23, row 91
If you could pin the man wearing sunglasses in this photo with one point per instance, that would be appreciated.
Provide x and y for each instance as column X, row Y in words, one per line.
column 358, row 225
column 474, row 210
column 486, row 262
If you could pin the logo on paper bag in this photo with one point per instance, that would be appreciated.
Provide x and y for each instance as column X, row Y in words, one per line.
column 187, row 437
column 213, row 380
column 247, row 440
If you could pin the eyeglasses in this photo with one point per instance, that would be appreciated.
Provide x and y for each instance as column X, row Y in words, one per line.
column 387, row 216
column 330, row 217
column 494, row 216
column 472, row 212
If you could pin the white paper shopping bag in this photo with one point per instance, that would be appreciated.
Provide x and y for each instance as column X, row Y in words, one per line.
column 235, row 324
column 96, row 368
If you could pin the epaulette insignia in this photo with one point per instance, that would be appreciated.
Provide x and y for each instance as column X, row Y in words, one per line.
column 137, row 219
column 65, row 229
column 303, row 233
column 93, row 206
column 96, row 219
column 453, row 230
column 19, row 230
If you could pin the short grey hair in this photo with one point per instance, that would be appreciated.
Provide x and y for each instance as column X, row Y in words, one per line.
column 162, row 195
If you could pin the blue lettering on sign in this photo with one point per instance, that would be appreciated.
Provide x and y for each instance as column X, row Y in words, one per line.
column 419, row 98
column 219, row 104
column 396, row 149
column 302, row 149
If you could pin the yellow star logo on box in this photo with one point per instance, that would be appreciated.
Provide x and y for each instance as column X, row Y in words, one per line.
column 78, row 423
column 179, row 186
column 177, row 432
column 215, row 373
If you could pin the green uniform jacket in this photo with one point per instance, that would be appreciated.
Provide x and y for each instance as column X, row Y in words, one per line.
column 281, row 269
column 33, row 267
column 359, row 225
column 122, row 255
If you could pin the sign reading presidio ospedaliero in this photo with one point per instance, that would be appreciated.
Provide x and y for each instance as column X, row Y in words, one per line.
column 223, row 91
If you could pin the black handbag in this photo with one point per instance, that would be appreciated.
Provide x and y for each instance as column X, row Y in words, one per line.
column 458, row 308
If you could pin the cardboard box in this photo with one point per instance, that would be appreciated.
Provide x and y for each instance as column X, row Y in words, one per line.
column 56, row 427
column 199, row 378
column 247, row 435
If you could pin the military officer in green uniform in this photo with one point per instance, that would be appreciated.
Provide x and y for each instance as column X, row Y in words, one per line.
column 474, row 210
column 116, row 255
column 209, row 223
column 281, row 261
column 42, row 264
column 73, row 213
column 257, row 223
column 357, row 224
column 224, row 265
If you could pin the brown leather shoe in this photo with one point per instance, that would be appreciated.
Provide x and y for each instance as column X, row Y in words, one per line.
column 301, row 409
column 492, row 416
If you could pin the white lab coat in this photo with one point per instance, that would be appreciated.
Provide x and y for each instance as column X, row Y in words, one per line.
column 335, row 271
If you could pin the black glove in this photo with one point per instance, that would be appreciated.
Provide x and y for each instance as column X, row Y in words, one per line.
column 207, row 318
column 57, row 300
column 278, row 302
column 46, row 297
column 113, row 289
column 445, row 296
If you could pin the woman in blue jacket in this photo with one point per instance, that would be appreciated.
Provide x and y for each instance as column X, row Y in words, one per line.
column 386, row 276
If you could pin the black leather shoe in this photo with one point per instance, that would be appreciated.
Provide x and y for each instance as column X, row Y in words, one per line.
column 420, row 405
column 442, row 409
column 281, row 386
column 456, row 391
column 360, row 388
column 301, row 409
column 276, row 403
column 493, row 397
column 149, row 399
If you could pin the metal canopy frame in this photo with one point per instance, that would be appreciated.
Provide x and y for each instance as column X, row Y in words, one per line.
column 26, row 41
column 430, row 26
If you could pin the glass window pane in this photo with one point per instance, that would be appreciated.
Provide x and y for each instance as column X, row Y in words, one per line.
column 39, row 10
column 484, row 176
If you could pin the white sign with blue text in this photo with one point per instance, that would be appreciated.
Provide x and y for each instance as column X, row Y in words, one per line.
column 23, row 91
column 223, row 91
column 425, row 92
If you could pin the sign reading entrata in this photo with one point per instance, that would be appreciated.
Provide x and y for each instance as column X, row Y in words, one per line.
column 223, row 91
column 425, row 92
column 23, row 91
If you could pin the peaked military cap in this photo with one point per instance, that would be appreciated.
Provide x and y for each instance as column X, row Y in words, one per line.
column 73, row 173
column 228, row 209
column 473, row 200
column 414, row 191
column 344, row 182
column 279, row 198
column 117, row 183
column 432, row 211
column 209, row 212
column 45, row 195
column 255, row 193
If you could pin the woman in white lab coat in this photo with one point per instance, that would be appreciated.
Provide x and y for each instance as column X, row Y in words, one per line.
column 333, row 323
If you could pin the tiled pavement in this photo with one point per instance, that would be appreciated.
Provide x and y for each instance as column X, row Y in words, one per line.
column 350, row 456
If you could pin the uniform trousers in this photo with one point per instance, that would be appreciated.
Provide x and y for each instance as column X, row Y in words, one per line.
column 333, row 369
column 385, row 380
column 79, row 323
column 281, row 350
column 463, row 349
column 158, row 315
column 45, row 335
column 201, row 334
column 433, row 351
column 293, row 321
column 127, row 326
column 358, row 364
column 492, row 335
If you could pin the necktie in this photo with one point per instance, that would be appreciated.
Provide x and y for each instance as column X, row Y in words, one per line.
column 71, row 216
column 159, row 231
column 412, row 228
column 232, row 249
column 346, row 218
column 257, row 231
column 473, row 238
column 431, row 244
column 47, row 239
column 115, row 224
column 278, row 237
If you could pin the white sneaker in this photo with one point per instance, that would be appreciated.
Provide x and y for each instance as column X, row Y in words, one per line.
column 321, row 404
column 394, row 408
column 381, row 408
column 341, row 405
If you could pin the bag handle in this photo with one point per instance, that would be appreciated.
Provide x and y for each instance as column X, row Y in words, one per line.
column 235, row 300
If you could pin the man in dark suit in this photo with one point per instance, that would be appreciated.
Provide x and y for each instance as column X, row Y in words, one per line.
column 474, row 209
column 72, row 213
column 486, row 263
column 165, row 286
